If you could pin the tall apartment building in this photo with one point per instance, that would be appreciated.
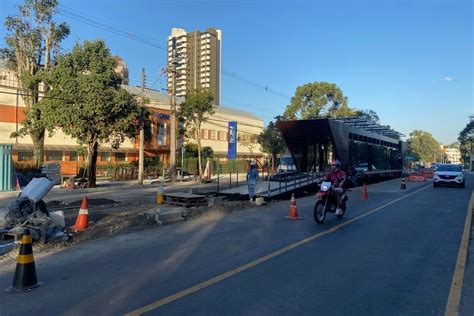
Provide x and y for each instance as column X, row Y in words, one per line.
column 198, row 61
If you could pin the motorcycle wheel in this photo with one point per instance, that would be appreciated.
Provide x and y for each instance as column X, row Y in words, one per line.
column 319, row 212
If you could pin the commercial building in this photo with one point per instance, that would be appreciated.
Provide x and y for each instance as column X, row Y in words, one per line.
column 64, row 149
column 197, row 60
column 452, row 155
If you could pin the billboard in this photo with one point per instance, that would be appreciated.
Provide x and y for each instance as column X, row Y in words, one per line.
column 232, row 141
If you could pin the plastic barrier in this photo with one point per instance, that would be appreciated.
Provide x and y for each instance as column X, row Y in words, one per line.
column 416, row 178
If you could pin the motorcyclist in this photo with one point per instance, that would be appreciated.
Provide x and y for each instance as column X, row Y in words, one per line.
column 337, row 176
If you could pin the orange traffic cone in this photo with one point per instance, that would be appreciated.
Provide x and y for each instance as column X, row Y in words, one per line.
column 293, row 213
column 82, row 222
column 363, row 193
column 25, row 273
column 17, row 185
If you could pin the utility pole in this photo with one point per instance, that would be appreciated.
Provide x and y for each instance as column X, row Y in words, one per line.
column 174, row 61
column 142, row 132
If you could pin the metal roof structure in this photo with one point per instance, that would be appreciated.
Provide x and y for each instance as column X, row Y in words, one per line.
column 365, row 124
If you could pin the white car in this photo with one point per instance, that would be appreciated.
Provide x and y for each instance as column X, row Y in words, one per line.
column 364, row 167
column 286, row 164
column 449, row 174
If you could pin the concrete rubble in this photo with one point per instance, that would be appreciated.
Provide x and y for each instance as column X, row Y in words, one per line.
column 29, row 211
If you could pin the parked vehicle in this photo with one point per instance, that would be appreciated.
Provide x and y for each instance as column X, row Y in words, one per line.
column 286, row 164
column 449, row 174
column 364, row 167
column 326, row 202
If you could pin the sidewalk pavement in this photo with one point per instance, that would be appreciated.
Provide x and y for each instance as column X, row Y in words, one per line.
column 103, row 186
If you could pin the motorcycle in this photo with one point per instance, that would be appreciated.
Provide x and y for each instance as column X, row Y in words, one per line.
column 326, row 202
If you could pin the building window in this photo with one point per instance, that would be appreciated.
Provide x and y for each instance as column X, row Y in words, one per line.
column 161, row 133
column 73, row 156
column 120, row 156
column 54, row 155
column 204, row 134
column 222, row 135
column 105, row 156
column 212, row 135
column 25, row 156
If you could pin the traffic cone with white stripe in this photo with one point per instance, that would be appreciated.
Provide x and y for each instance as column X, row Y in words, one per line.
column 25, row 273
column 293, row 213
column 82, row 221
column 17, row 185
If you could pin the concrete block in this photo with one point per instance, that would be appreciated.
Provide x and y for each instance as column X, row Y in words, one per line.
column 215, row 200
column 259, row 201
column 167, row 214
column 171, row 221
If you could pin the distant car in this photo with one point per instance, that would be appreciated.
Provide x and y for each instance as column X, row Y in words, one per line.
column 286, row 164
column 364, row 167
column 449, row 174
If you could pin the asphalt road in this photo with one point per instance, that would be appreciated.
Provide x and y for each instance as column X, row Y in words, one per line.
column 398, row 259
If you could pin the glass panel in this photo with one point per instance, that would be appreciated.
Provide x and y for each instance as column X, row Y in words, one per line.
column 161, row 133
column 105, row 156
column 73, row 156
column 25, row 155
column 120, row 156
column 54, row 155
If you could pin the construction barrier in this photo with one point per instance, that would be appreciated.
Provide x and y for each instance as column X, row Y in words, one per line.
column 416, row 178
column 427, row 173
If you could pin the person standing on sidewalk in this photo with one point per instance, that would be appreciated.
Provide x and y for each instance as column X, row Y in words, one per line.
column 252, row 178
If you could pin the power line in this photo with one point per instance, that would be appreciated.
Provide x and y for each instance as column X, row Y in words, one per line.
column 81, row 17
column 233, row 75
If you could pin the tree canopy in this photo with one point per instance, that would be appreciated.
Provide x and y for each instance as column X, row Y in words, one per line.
column 87, row 102
column 194, row 111
column 33, row 40
column 369, row 115
column 318, row 100
column 271, row 140
column 423, row 146
column 466, row 141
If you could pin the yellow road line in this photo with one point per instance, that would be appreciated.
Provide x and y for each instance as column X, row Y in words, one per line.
column 454, row 298
column 247, row 266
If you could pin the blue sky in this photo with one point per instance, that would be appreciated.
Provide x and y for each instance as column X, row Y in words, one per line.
column 410, row 61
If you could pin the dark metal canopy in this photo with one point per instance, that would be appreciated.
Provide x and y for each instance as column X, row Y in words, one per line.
column 365, row 124
column 308, row 140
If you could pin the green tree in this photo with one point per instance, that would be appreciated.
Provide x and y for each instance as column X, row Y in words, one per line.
column 194, row 111
column 33, row 40
column 271, row 141
column 423, row 146
column 466, row 141
column 369, row 115
column 87, row 102
column 318, row 100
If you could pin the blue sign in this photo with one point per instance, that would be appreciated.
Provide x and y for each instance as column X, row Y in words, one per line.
column 232, row 149
column 161, row 115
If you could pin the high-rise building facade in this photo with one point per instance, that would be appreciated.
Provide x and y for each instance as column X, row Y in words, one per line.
column 197, row 59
